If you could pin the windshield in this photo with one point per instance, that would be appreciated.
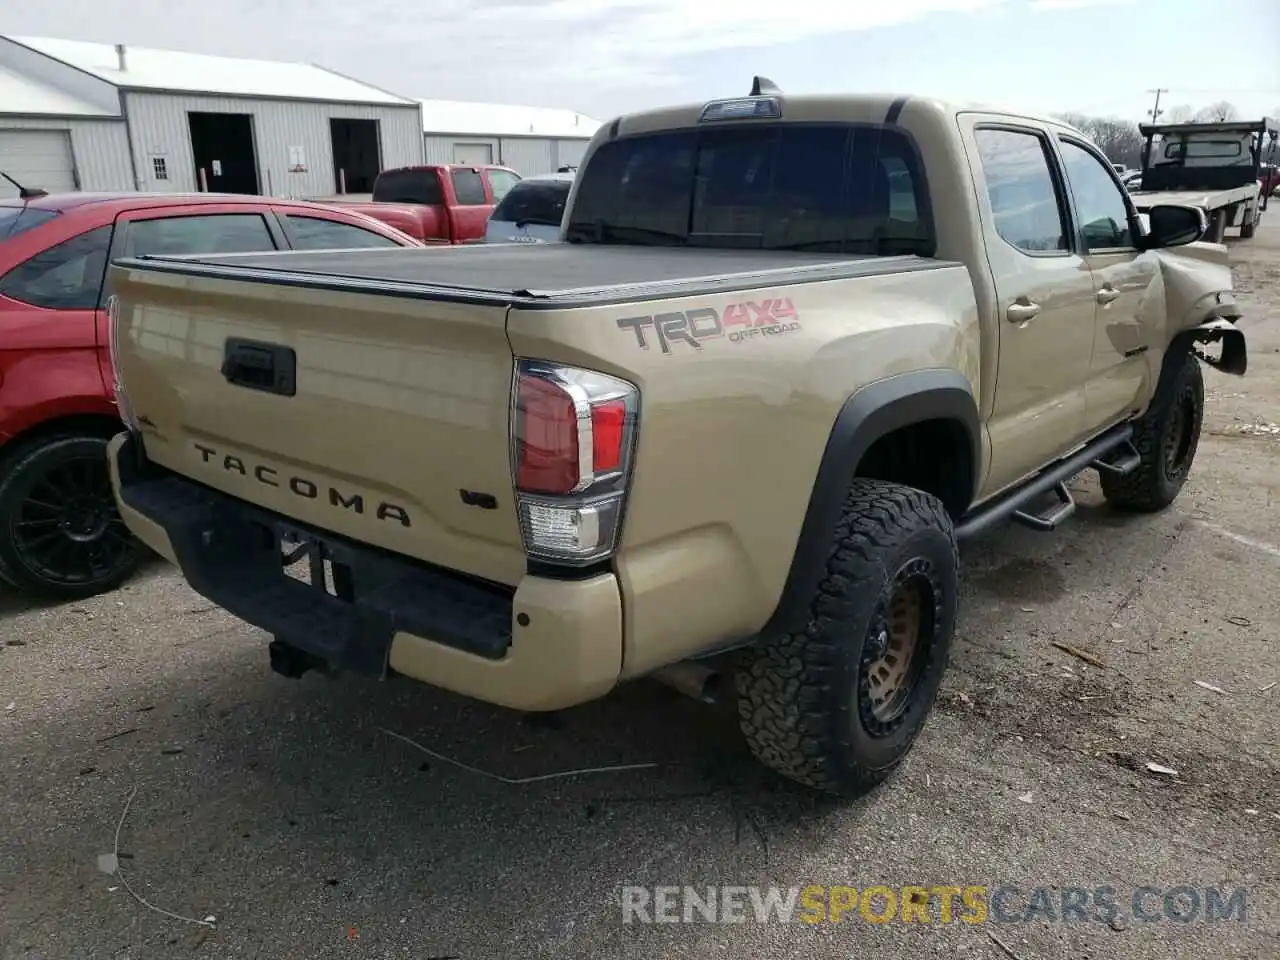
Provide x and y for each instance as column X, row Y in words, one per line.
column 538, row 202
column 16, row 219
column 826, row 187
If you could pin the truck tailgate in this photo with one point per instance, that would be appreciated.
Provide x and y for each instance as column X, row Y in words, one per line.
column 391, row 428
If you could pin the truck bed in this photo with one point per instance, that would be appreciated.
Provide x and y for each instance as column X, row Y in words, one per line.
column 554, row 273
column 1204, row 199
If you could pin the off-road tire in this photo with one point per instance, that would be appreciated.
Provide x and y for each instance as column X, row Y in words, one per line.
column 1166, row 437
column 802, row 696
column 20, row 471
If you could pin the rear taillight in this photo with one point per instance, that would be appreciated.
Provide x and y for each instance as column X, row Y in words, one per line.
column 113, row 344
column 573, row 435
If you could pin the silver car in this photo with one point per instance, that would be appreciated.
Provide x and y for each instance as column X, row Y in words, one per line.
column 531, row 211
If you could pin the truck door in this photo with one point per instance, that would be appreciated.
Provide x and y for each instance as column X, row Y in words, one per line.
column 1044, row 298
column 1124, row 317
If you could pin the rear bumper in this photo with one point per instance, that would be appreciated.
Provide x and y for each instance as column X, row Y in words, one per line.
column 545, row 645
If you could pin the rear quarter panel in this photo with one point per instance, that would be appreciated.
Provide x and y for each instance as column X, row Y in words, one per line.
column 732, row 432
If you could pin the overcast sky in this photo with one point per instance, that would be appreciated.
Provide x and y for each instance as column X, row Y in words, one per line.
column 603, row 57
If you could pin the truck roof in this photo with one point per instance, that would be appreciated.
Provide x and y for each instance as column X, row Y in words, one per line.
column 855, row 107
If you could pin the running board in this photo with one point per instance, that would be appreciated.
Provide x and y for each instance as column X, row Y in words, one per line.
column 1113, row 452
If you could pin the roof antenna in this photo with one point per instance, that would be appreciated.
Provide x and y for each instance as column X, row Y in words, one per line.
column 764, row 87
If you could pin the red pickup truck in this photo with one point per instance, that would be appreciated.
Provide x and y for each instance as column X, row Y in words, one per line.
column 439, row 203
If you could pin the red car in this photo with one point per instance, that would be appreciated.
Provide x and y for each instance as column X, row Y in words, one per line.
column 59, row 532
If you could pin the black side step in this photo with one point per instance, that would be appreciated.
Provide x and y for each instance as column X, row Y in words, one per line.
column 1010, row 505
column 1124, row 459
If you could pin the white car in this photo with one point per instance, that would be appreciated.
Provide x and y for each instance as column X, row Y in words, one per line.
column 531, row 211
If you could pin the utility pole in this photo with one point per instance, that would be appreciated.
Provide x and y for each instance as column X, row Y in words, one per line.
column 1155, row 110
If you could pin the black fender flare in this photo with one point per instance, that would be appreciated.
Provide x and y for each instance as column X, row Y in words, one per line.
column 869, row 414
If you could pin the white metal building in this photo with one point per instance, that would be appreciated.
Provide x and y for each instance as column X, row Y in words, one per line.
column 176, row 122
column 529, row 140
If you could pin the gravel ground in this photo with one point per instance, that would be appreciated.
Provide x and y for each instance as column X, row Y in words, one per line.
column 284, row 810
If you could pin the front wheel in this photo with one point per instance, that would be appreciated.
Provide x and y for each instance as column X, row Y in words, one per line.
column 60, row 533
column 1166, row 437
column 838, row 706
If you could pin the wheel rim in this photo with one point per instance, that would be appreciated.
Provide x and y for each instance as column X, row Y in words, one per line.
column 67, row 531
column 1177, row 443
column 895, row 653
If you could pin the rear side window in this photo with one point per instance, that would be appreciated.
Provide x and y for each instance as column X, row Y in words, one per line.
column 468, row 187
column 1020, row 187
column 534, row 201
column 213, row 233
column 409, row 186
column 16, row 220
column 314, row 233
column 824, row 187
column 67, row 276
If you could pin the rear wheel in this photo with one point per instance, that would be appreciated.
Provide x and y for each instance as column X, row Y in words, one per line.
column 60, row 533
column 1248, row 229
column 1166, row 438
column 839, row 705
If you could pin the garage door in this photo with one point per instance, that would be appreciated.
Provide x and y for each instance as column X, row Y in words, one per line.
column 36, row 158
column 477, row 153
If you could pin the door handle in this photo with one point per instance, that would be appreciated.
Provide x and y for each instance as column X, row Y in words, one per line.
column 269, row 367
column 1107, row 294
column 1022, row 311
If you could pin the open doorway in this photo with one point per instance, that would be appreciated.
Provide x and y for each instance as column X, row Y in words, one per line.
column 222, row 145
column 356, row 159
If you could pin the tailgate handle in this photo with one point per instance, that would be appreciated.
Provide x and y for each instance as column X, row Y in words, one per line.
column 268, row 367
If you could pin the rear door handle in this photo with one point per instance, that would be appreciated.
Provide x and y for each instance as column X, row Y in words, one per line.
column 1107, row 294
column 1022, row 311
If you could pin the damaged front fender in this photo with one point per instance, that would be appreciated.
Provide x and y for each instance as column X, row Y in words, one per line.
column 1234, row 355
column 1199, row 305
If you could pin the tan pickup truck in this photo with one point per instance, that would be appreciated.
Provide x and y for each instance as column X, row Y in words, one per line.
column 793, row 348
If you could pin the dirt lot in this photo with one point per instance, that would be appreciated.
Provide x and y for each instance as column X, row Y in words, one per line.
column 284, row 810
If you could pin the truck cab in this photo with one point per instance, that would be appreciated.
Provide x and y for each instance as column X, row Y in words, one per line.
column 438, row 203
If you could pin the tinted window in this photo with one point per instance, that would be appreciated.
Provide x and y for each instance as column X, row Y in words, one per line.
column 534, row 201
column 817, row 187
column 1104, row 218
column 408, row 186
column 214, row 233
column 501, row 182
column 16, row 220
column 67, row 276
column 1205, row 149
column 468, row 188
column 1021, row 190
column 313, row 233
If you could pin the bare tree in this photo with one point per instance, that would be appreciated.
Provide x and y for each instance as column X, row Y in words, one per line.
column 1219, row 112
column 1120, row 140
column 1179, row 114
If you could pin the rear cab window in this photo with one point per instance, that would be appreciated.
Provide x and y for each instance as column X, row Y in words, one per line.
column 539, row 202
column 420, row 186
column 825, row 187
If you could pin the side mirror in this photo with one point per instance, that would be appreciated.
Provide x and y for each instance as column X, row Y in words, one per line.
column 1171, row 225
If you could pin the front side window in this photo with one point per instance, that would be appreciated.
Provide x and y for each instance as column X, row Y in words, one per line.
column 501, row 182
column 1104, row 216
column 538, row 202
column 1020, row 188
column 315, row 233
column 824, row 187
column 468, row 187
column 66, row 276
column 200, row 233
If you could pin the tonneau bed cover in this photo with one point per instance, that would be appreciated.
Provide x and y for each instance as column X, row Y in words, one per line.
column 562, row 273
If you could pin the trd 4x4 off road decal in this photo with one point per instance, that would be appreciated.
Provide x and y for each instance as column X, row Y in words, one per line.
column 740, row 322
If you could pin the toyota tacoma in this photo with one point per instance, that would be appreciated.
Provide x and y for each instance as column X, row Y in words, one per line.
column 793, row 349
